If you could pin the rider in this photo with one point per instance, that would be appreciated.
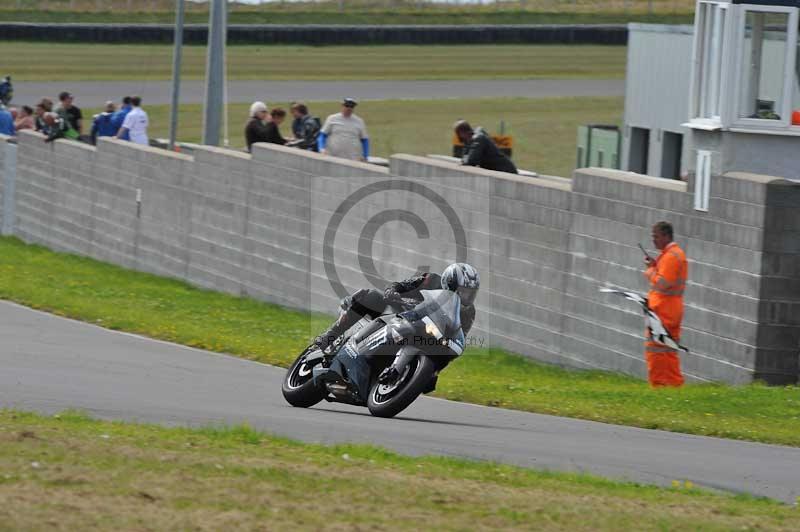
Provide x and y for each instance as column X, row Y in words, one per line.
column 458, row 277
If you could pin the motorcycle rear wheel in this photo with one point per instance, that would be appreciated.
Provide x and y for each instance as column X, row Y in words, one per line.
column 386, row 402
column 299, row 388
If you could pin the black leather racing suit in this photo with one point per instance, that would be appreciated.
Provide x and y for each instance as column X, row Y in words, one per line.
column 370, row 302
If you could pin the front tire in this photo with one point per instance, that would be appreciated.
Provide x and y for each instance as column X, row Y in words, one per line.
column 299, row 388
column 388, row 401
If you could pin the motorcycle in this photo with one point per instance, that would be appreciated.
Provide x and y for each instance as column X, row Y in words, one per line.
column 419, row 342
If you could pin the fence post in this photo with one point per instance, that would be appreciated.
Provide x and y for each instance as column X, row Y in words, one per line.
column 9, row 194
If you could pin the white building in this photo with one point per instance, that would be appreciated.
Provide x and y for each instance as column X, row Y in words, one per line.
column 723, row 98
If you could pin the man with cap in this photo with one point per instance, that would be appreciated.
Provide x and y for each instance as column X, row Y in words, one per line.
column 256, row 129
column 70, row 113
column 344, row 134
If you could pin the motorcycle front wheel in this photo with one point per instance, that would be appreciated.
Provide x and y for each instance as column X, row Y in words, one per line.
column 389, row 400
column 299, row 388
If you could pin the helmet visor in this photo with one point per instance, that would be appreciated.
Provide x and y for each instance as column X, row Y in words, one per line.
column 467, row 295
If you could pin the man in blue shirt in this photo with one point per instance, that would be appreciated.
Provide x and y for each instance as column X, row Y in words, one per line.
column 103, row 123
column 119, row 117
column 6, row 122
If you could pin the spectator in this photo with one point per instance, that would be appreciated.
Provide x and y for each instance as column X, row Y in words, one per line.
column 135, row 123
column 69, row 112
column 277, row 116
column 25, row 119
column 305, row 128
column 6, row 122
column 14, row 113
column 667, row 276
column 344, row 134
column 45, row 105
column 103, row 123
column 480, row 149
column 256, row 129
column 58, row 128
column 119, row 117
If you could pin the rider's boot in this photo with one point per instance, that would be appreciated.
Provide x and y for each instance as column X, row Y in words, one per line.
column 347, row 318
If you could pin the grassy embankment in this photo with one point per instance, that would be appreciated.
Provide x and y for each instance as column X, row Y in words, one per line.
column 357, row 12
column 170, row 310
column 68, row 472
column 38, row 61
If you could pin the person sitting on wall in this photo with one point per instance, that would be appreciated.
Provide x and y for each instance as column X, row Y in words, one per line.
column 480, row 150
column 256, row 128
column 59, row 128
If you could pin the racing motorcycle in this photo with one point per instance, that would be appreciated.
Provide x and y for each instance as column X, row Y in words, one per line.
column 417, row 342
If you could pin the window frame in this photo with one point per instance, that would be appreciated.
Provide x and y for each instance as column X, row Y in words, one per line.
column 710, row 37
column 785, row 109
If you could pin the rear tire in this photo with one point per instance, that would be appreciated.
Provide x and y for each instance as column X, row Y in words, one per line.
column 299, row 388
column 412, row 383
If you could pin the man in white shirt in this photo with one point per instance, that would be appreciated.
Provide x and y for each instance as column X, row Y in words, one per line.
column 344, row 134
column 135, row 123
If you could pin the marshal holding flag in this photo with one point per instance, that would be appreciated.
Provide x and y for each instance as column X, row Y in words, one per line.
column 663, row 307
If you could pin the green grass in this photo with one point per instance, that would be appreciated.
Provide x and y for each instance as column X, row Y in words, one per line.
column 68, row 472
column 121, row 299
column 356, row 12
column 544, row 129
column 40, row 61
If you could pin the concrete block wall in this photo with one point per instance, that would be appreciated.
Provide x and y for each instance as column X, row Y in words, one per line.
column 3, row 143
column 255, row 225
column 521, row 301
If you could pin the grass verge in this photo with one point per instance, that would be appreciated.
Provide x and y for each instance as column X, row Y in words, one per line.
column 68, row 472
column 544, row 129
column 171, row 310
column 45, row 61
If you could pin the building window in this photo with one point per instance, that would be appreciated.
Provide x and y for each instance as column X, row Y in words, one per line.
column 711, row 22
column 672, row 147
column 763, row 65
column 639, row 150
column 702, row 180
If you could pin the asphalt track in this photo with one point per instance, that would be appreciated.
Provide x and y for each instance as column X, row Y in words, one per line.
column 48, row 364
column 96, row 93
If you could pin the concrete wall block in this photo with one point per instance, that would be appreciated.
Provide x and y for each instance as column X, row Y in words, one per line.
column 779, row 336
column 735, row 188
column 780, row 288
column 211, row 280
column 591, row 356
column 531, row 192
column 273, row 254
column 535, row 334
column 737, row 212
column 720, row 324
column 702, row 343
column 518, row 210
column 772, row 363
column 736, row 282
column 616, row 314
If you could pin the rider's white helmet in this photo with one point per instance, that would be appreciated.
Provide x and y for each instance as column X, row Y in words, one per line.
column 462, row 279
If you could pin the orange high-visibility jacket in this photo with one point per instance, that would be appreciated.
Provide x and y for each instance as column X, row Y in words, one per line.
column 667, row 283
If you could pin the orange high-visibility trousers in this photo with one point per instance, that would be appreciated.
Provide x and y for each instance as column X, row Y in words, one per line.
column 667, row 282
